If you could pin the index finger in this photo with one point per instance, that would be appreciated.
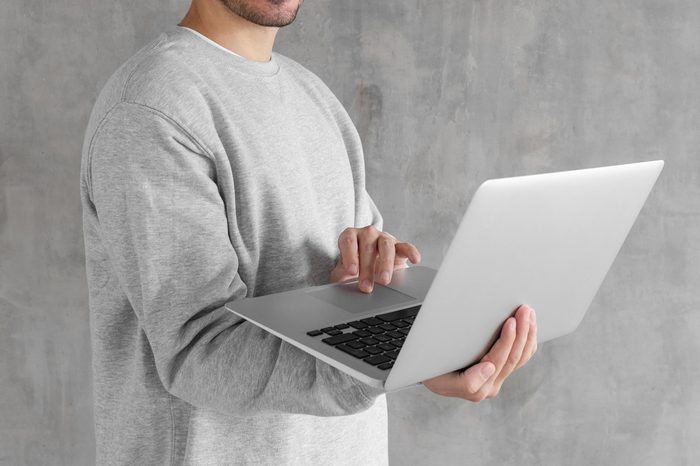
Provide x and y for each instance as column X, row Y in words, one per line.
column 522, row 318
column 409, row 251
column 499, row 352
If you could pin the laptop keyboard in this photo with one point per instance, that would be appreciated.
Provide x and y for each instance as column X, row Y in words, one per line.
column 376, row 340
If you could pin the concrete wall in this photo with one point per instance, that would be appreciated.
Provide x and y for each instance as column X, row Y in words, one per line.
column 445, row 95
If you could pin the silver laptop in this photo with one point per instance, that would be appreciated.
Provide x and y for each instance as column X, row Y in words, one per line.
column 546, row 240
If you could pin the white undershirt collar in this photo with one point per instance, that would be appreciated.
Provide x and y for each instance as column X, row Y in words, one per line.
column 211, row 41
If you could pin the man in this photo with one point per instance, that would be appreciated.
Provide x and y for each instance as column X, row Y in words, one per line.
column 215, row 169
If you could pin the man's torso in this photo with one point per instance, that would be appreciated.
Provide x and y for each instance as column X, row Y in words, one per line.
column 286, row 159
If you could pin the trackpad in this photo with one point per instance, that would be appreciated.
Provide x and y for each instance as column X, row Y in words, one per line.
column 348, row 297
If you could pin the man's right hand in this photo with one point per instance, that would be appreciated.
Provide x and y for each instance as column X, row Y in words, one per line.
column 371, row 253
column 514, row 347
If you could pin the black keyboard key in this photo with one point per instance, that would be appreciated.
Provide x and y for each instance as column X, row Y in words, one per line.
column 369, row 341
column 333, row 332
column 342, row 326
column 361, row 333
column 404, row 331
column 356, row 344
column 401, row 324
column 397, row 343
column 386, row 365
column 371, row 321
column 385, row 346
column 314, row 333
column 358, row 353
column 382, row 337
column 375, row 330
column 377, row 359
column 373, row 350
column 392, row 354
column 396, row 315
column 357, row 324
column 409, row 320
column 395, row 334
column 387, row 327
column 338, row 339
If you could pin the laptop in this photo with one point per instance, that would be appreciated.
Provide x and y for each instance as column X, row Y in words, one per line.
column 546, row 240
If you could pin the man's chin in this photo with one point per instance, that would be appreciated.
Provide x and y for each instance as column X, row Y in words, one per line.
column 270, row 13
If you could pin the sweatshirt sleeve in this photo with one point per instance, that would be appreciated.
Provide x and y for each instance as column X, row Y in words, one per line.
column 163, row 223
column 375, row 216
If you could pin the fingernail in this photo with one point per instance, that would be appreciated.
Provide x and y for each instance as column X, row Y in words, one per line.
column 385, row 277
column 532, row 315
column 366, row 284
column 487, row 371
column 352, row 269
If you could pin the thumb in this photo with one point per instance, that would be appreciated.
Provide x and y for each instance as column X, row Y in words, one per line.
column 476, row 376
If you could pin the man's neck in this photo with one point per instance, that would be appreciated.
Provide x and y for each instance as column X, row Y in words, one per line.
column 212, row 19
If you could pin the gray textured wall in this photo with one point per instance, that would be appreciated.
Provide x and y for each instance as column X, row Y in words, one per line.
column 445, row 95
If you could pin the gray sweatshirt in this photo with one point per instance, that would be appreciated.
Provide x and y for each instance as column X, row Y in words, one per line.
column 206, row 177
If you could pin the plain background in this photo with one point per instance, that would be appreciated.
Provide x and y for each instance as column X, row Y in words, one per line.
column 445, row 95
